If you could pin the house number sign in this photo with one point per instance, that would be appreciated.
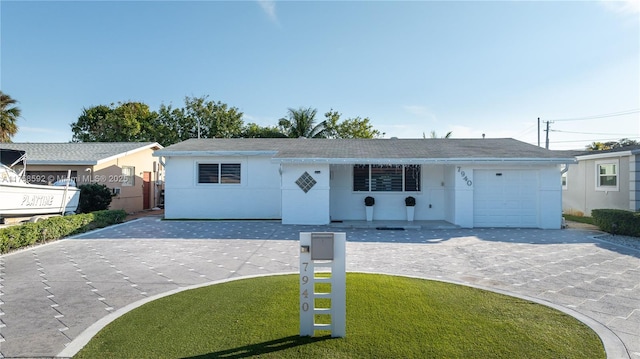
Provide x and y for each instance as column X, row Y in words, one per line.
column 322, row 261
column 464, row 176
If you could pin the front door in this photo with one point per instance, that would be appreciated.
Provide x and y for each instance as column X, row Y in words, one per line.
column 146, row 190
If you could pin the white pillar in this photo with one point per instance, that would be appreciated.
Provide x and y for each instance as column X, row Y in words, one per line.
column 325, row 250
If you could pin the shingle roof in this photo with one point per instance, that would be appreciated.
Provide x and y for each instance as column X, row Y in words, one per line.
column 360, row 149
column 77, row 153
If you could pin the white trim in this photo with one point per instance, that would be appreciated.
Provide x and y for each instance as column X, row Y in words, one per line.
column 161, row 153
column 400, row 161
column 606, row 155
column 597, row 165
column 123, row 154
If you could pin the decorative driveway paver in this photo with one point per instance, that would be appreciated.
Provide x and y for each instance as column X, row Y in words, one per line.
column 50, row 294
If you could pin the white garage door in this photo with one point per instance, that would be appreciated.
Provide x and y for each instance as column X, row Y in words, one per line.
column 505, row 198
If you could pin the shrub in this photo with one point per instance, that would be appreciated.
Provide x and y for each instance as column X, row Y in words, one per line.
column 410, row 201
column 53, row 228
column 617, row 221
column 94, row 197
column 369, row 201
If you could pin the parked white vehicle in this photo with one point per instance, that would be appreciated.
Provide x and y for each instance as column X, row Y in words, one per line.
column 18, row 198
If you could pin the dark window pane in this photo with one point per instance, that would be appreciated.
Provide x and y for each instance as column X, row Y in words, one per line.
column 412, row 178
column 208, row 173
column 230, row 173
column 608, row 180
column 386, row 178
column 361, row 177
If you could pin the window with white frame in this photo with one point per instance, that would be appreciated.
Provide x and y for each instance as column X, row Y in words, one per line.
column 564, row 180
column 386, row 178
column 225, row 173
column 607, row 175
column 128, row 176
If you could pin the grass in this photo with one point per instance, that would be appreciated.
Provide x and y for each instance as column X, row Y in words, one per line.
column 581, row 219
column 387, row 317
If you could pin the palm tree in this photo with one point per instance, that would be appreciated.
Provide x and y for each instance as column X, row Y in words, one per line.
column 8, row 117
column 435, row 135
column 301, row 123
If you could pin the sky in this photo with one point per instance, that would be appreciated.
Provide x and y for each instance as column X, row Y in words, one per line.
column 470, row 67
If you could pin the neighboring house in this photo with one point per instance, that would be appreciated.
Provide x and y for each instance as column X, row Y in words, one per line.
column 127, row 168
column 603, row 179
column 467, row 182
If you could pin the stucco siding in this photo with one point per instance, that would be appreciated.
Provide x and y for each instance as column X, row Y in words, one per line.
column 256, row 197
column 348, row 205
column 300, row 207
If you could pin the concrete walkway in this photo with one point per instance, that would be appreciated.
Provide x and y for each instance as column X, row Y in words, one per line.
column 50, row 294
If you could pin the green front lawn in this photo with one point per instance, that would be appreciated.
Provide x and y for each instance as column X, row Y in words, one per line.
column 387, row 317
column 581, row 219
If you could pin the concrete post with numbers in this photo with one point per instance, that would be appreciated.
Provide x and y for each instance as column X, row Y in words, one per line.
column 317, row 251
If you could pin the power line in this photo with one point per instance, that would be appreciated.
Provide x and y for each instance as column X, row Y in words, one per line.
column 595, row 140
column 593, row 117
column 592, row 133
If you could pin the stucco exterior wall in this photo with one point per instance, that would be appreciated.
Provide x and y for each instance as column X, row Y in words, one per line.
column 256, row 197
column 268, row 190
column 348, row 205
column 311, row 207
column 130, row 198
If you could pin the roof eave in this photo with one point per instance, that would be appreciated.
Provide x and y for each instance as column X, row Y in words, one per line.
column 127, row 153
column 66, row 163
column 608, row 155
column 162, row 153
column 456, row 161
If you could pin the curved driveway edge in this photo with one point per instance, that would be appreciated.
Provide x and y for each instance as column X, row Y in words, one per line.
column 51, row 294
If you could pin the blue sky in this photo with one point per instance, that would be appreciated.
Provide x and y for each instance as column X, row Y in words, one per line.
column 411, row 67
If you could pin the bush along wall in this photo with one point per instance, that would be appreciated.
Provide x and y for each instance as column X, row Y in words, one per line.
column 617, row 221
column 12, row 238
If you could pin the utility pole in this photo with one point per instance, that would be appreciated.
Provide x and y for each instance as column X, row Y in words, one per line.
column 547, row 131
column 538, row 131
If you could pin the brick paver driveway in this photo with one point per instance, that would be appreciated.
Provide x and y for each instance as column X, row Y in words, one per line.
column 50, row 294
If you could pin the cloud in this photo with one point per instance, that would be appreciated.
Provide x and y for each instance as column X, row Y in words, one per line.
column 622, row 6
column 269, row 7
column 421, row 112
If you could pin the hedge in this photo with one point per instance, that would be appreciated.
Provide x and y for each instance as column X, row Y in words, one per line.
column 53, row 228
column 617, row 221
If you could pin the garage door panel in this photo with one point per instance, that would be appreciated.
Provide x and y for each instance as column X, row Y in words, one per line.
column 505, row 198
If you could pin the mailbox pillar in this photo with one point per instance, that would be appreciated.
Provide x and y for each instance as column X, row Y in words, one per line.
column 324, row 251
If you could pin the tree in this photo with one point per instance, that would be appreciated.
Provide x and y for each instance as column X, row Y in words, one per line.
column 601, row 146
column 9, row 114
column 253, row 130
column 597, row 146
column 625, row 142
column 350, row 128
column 302, row 123
column 433, row 134
column 128, row 122
column 198, row 118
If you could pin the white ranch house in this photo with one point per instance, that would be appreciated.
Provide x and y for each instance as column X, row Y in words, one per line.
column 467, row 182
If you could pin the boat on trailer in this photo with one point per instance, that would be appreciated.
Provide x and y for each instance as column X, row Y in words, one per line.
column 18, row 198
